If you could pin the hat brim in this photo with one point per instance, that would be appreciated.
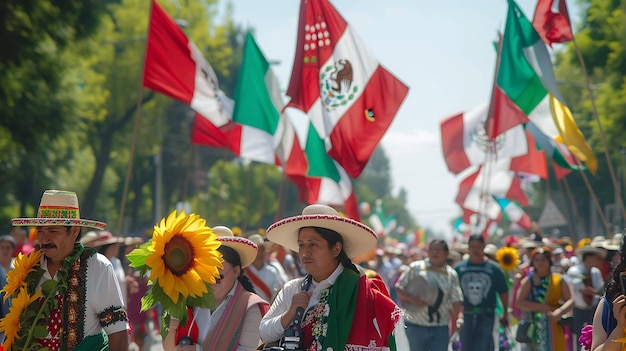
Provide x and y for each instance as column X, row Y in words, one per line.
column 246, row 249
column 592, row 250
column 97, row 243
column 357, row 237
column 44, row 222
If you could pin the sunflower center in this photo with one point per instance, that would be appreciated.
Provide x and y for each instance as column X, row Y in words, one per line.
column 507, row 259
column 179, row 255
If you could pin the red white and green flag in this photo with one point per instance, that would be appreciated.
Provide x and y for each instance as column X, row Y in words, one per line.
column 174, row 66
column 258, row 130
column 349, row 97
column 526, row 89
column 465, row 143
column 327, row 182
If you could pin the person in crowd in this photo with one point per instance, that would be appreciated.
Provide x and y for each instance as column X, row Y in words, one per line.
column 91, row 309
column 234, row 323
column 340, row 308
column 480, row 280
column 267, row 278
column 7, row 247
column 429, row 290
column 587, row 284
column 546, row 298
column 609, row 320
column 20, row 235
column 109, row 245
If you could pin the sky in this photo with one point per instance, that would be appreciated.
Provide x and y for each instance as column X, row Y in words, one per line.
column 443, row 50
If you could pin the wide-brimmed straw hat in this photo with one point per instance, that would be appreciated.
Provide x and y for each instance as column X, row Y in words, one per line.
column 591, row 250
column 106, row 238
column 245, row 248
column 58, row 207
column 357, row 237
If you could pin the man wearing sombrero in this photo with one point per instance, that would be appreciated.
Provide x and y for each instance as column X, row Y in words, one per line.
column 587, row 284
column 91, row 305
column 341, row 308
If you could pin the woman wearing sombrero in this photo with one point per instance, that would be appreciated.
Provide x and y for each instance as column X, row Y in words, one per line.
column 234, row 324
column 342, row 309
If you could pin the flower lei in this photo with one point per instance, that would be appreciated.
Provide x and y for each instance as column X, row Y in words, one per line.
column 32, row 315
column 318, row 316
column 540, row 293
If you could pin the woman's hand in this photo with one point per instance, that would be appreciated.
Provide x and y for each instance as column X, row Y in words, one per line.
column 555, row 315
column 619, row 311
column 300, row 299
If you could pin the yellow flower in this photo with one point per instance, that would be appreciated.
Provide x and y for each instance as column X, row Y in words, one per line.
column 10, row 324
column 184, row 256
column 508, row 258
column 16, row 278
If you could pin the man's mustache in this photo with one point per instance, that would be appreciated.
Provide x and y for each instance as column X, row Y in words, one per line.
column 48, row 246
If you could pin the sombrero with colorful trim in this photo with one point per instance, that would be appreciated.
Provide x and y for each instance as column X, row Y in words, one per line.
column 244, row 247
column 357, row 237
column 58, row 207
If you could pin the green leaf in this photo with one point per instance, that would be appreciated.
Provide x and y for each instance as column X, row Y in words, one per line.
column 40, row 331
column 48, row 286
column 148, row 301
column 138, row 256
column 205, row 301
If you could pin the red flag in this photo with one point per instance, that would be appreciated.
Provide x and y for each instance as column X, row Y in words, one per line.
column 174, row 66
column 350, row 98
column 206, row 133
column 551, row 21
column 534, row 162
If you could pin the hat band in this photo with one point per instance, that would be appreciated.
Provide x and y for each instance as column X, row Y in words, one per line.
column 58, row 212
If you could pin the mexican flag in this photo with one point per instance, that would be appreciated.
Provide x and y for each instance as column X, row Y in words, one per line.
column 513, row 212
column 258, row 130
column 327, row 182
column 465, row 142
column 350, row 98
column 476, row 189
column 526, row 89
column 174, row 66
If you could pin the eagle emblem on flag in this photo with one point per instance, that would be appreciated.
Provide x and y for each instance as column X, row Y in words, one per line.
column 336, row 84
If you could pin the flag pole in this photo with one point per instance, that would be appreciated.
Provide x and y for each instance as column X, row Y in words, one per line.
column 262, row 195
column 595, row 202
column 131, row 158
column 618, row 196
column 133, row 143
column 570, row 197
column 572, row 204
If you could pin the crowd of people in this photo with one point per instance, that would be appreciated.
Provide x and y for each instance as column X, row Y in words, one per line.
column 304, row 285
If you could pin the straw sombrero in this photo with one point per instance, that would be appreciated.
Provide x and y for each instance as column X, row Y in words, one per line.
column 591, row 250
column 357, row 237
column 106, row 238
column 245, row 248
column 58, row 207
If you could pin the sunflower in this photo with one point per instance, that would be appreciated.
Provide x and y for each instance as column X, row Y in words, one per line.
column 183, row 256
column 508, row 258
column 16, row 278
column 10, row 324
